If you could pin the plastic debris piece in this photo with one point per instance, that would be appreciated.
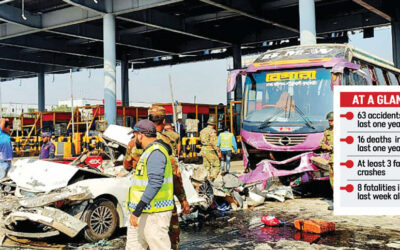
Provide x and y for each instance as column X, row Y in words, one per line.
column 271, row 221
column 232, row 219
column 101, row 243
column 314, row 226
column 255, row 199
column 231, row 181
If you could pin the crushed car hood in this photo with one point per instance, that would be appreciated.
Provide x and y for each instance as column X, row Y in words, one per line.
column 43, row 176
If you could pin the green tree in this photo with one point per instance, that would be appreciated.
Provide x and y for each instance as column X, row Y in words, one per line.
column 62, row 108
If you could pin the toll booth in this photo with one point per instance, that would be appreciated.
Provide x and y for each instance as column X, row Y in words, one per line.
column 26, row 130
column 200, row 112
column 190, row 140
column 26, row 135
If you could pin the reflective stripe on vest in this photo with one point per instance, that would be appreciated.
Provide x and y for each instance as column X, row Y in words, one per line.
column 164, row 199
column 226, row 141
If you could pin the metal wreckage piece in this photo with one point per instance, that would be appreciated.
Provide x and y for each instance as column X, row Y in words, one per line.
column 43, row 211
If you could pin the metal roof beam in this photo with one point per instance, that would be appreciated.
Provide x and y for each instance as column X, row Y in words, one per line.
column 19, row 55
column 350, row 22
column 20, row 66
column 126, row 6
column 192, row 46
column 369, row 5
column 119, row 7
column 137, row 30
column 94, row 33
column 243, row 8
column 50, row 20
column 337, row 24
column 98, row 6
column 11, row 14
column 38, row 43
column 50, row 45
column 210, row 17
column 198, row 45
column 62, row 18
column 163, row 21
column 6, row 75
column 188, row 20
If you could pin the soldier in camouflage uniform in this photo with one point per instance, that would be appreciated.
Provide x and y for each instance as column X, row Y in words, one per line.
column 209, row 150
column 157, row 115
column 132, row 156
column 174, row 138
column 327, row 144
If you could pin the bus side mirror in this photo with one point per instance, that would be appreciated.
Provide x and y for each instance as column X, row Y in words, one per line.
column 231, row 83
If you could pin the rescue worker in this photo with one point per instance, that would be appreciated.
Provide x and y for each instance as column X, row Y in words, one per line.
column 48, row 148
column 227, row 143
column 150, row 199
column 6, row 150
column 174, row 136
column 327, row 145
column 209, row 149
column 157, row 115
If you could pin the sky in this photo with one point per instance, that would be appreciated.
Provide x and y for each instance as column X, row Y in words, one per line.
column 203, row 82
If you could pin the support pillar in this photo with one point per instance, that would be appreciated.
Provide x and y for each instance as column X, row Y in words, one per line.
column 125, row 81
column 237, row 64
column 307, row 22
column 396, row 38
column 110, row 106
column 41, row 92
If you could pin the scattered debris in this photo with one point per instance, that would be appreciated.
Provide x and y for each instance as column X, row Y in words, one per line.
column 271, row 221
column 314, row 226
column 100, row 244
column 232, row 219
column 394, row 244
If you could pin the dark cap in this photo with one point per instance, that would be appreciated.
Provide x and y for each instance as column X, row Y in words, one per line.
column 145, row 127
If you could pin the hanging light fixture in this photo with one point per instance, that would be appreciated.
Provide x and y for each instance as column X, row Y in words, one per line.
column 23, row 10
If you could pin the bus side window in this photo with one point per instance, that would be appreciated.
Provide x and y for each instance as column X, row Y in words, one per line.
column 368, row 76
column 379, row 75
column 358, row 78
column 373, row 75
column 346, row 78
column 393, row 79
column 386, row 76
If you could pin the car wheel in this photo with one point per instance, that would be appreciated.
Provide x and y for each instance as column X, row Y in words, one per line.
column 206, row 192
column 102, row 219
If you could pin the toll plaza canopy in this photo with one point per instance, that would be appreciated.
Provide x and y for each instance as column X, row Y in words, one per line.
column 53, row 36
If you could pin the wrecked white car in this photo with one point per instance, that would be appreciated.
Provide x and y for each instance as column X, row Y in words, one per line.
column 41, row 199
column 45, row 199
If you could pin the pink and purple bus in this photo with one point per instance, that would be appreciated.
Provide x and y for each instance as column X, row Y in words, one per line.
column 287, row 94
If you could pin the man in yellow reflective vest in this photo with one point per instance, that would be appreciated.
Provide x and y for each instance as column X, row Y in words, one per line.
column 227, row 143
column 150, row 198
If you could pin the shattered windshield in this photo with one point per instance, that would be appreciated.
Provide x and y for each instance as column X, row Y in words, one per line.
column 300, row 97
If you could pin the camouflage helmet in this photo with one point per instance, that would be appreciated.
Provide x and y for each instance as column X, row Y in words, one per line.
column 157, row 110
column 329, row 116
column 211, row 120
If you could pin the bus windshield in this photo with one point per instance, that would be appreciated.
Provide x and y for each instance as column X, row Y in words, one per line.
column 296, row 99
